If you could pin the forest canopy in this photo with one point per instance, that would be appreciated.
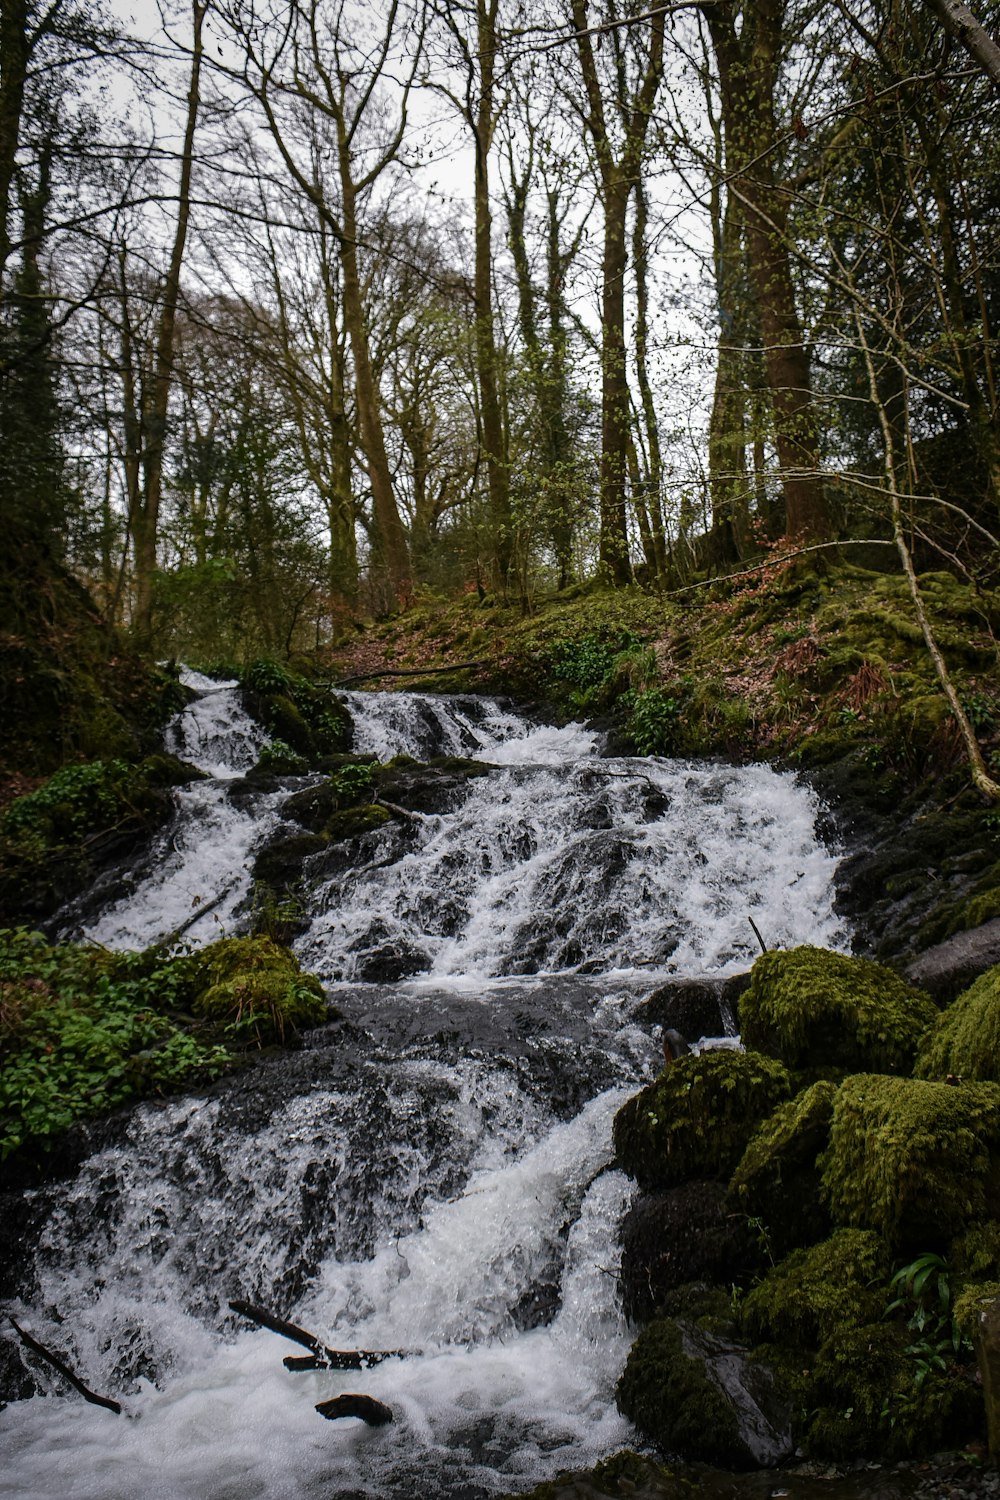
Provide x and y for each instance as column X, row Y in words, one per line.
column 309, row 307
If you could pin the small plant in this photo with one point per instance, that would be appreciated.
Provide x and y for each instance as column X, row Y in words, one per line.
column 653, row 722
column 280, row 758
column 352, row 783
column 83, row 1031
column 922, row 1293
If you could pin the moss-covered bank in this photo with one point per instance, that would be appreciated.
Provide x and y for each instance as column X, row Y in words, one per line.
column 84, row 1031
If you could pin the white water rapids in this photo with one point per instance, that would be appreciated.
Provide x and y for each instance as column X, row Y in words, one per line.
column 432, row 1171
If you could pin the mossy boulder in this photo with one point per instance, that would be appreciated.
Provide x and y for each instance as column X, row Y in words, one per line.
column 965, row 1039
column 868, row 1395
column 53, row 840
column 918, row 1162
column 696, row 1119
column 816, row 1009
column 699, row 1396
column 672, row 1401
column 305, row 716
column 777, row 1182
column 255, row 988
column 840, row 1282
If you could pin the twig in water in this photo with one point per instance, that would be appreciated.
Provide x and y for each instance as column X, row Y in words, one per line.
column 65, row 1371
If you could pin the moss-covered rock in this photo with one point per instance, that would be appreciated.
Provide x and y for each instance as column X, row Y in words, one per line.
column 965, row 1039
column 674, row 1403
column 695, row 1120
column 777, row 1181
column 256, row 989
column 918, row 1162
column 869, row 1396
column 840, row 1282
column 817, row 1009
column 307, row 717
column 53, row 840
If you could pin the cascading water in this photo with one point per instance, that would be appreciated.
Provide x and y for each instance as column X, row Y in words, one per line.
column 431, row 1171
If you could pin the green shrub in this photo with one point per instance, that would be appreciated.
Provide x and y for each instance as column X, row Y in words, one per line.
column 816, row 1009
column 695, row 1120
column 965, row 1039
column 917, row 1162
column 653, row 720
column 83, row 1031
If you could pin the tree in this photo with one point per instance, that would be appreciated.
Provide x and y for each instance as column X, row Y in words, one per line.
column 616, row 114
column 317, row 78
column 750, row 42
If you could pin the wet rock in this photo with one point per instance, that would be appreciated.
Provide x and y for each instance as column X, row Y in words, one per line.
column 391, row 961
column 17, row 1383
column 947, row 968
column 436, row 787
column 694, row 1007
column 682, row 1235
column 279, row 862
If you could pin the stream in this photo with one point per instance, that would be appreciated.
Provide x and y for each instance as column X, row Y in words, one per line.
column 432, row 1172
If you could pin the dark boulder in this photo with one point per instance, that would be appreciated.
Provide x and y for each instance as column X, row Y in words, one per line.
column 682, row 1235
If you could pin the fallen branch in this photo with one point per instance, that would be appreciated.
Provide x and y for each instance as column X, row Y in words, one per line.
column 65, row 1371
column 321, row 1358
column 375, row 1413
column 458, row 666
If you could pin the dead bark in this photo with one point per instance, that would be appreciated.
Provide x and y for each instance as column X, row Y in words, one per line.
column 64, row 1370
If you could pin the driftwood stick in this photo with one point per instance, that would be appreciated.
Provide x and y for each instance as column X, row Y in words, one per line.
column 458, row 666
column 65, row 1371
column 756, row 929
column 321, row 1358
column 375, row 1413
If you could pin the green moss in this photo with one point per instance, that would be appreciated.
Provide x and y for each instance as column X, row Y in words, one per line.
column 695, row 1120
column 799, row 1302
column 777, row 1181
column 813, row 1008
column 674, row 1403
column 256, row 989
column 965, row 1039
column 918, row 1162
column 354, row 822
column 856, row 1369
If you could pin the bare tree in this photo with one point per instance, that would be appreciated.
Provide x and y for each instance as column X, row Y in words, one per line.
column 318, row 78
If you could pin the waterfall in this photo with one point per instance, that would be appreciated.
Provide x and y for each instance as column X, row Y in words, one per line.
column 432, row 1171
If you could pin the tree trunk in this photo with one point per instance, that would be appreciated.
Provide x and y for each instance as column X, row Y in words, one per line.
column 614, row 388
column 392, row 544
column 748, row 60
column 497, row 474
column 146, row 520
